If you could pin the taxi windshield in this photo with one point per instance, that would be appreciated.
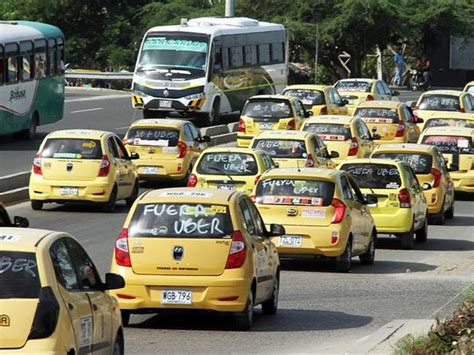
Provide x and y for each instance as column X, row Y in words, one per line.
column 19, row 277
column 294, row 192
column 228, row 164
column 180, row 220
column 71, row 148
column 450, row 144
column 269, row 109
column 329, row 131
column 440, row 103
column 281, row 148
column 374, row 176
column 377, row 115
column 448, row 122
column 161, row 137
column 420, row 163
column 309, row 98
column 353, row 85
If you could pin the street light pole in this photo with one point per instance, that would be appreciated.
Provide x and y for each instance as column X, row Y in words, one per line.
column 229, row 8
column 316, row 54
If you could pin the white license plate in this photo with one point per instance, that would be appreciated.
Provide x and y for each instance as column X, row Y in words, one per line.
column 226, row 187
column 291, row 241
column 151, row 170
column 68, row 191
column 266, row 125
column 176, row 297
column 165, row 103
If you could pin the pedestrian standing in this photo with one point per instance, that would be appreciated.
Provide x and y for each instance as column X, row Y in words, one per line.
column 399, row 63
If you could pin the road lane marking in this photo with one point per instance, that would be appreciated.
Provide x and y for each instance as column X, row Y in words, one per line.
column 452, row 299
column 102, row 97
column 88, row 110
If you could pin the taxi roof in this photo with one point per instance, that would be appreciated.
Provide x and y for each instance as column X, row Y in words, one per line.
column 229, row 150
column 275, row 97
column 331, row 119
column 22, row 239
column 449, row 131
column 160, row 122
column 329, row 174
column 450, row 115
column 380, row 103
column 371, row 161
column 78, row 133
column 187, row 195
column 307, row 87
column 367, row 80
column 443, row 92
column 426, row 148
column 283, row 134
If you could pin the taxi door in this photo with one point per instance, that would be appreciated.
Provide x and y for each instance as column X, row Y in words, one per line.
column 420, row 205
column 120, row 168
column 366, row 144
column 299, row 113
column 413, row 131
column 192, row 134
column 74, row 299
column 334, row 104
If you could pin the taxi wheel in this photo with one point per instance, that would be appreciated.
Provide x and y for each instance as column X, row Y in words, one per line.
column 118, row 346
column 109, row 206
column 422, row 233
column 184, row 180
column 244, row 319
column 129, row 201
column 125, row 318
column 271, row 306
column 344, row 261
column 368, row 257
column 36, row 205
column 407, row 239
column 450, row 213
column 438, row 218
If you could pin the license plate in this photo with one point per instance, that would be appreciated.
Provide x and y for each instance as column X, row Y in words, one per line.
column 176, row 297
column 165, row 103
column 68, row 191
column 268, row 125
column 226, row 187
column 291, row 241
column 151, row 170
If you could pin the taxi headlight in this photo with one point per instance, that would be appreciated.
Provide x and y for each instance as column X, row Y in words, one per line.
column 201, row 95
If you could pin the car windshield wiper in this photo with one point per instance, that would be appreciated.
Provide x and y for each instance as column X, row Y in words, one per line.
column 220, row 171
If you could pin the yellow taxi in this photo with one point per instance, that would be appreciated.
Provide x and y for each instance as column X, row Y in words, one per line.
column 168, row 148
column 456, row 144
column 356, row 91
column 294, row 149
column 434, row 101
column 323, row 212
column 197, row 249
column 448, row 119
column 5, row 220
column 390, row 119
column 430, row 167
column 401, row 208
column 348, row 136
column 319, row 99
column 469, row 88
column 269, row 112
column 230, row 169
column 52, row 300
column 83, row 166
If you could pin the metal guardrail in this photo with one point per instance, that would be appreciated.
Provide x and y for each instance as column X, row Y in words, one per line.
column 92, row 75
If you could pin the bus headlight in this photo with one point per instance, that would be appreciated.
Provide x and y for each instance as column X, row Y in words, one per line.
column 201, row 95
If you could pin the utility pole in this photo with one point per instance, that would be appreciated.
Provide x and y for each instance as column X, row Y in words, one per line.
column 229, row 8
column 316, row 54
column 379, row 63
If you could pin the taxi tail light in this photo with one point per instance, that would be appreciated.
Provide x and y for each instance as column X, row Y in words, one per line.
column 404, row 198
column 237, row 252
column 257, row 179
column 104, row 166
column 309, row 161
column 192, row 180
column 324, row 111
column 370, row 98
column 182, row 149
column 122, row 256
column 46, row 315
column 242, row 127
column 436, row 177
column 462, row 110
column 339, row 210
column 291, row 125
column 37, row 164
column 354, row 148
column 400, row 129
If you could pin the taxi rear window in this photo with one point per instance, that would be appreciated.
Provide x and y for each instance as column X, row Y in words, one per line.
column 281, row 148
column 268, row 109
column 353, row 85
column 72, row 148
column 420, row 163
column 19, row 277
column 374, row 176
column 377, row 115
column 329, row 131
column 227, row 164
column 164, row 137
column 294, row 192
column 450, row 144
column 448, row 122
column 180, row 220
column 309, row 98
column 440, row 103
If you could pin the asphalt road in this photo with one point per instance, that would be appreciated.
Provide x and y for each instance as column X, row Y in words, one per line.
column 94, row 109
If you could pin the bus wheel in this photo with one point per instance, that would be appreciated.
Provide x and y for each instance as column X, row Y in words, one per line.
column 213, row 116
column 29, row 133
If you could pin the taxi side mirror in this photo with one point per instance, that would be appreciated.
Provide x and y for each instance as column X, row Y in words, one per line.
column 371, row 199
column 454, row 167
column 344, row 102
column 308, row 114
column 276, row 230
column 113, row 281
column 375, row 136
column 203, row 139
column 21, row 222
column 134, row 156
column 419, row 120
column 334, row 154
column 426, row 186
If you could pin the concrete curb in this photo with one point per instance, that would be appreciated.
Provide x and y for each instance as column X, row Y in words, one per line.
column 14, row 196
column 13, row 181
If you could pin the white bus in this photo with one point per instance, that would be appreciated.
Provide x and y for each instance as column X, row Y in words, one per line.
column 208, row 66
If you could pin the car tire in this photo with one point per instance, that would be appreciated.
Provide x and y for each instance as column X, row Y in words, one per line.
column 30, row 133
column 407, row 240
column 184, row 180
column 36, row 205
column 438, row 218
column 450, row 212
column 422, row 233
column 270, row 306
column 118, row 345
column 213, row 116
column 344, row 261
column 244, row 319
column 129, row 201
column 109, row 206
column 368, row 257
column 125, row 317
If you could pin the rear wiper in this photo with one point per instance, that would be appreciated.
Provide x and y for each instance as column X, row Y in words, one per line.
column 220, row 171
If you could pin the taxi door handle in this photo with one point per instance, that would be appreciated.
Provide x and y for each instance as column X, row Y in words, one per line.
column 70, row 306
column 94, row 307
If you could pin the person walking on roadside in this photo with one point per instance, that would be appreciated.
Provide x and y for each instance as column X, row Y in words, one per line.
column 399, row 63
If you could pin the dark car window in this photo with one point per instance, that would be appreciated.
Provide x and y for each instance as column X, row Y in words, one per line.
column 420, row 163
column 375, row 176
column 19, row 277
column 377, row 115
column 87, row 274
column 450, row 144
column 329, row 131
column 161, row 137
column 445, row 122
column 63, row 266
column 281, row 148
column 269, row 109
column 440, row 103
column 353, row 85
column 70, row 148
column 227, row 164
column 309, row 98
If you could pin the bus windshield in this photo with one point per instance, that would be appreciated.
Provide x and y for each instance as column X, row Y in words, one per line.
column 181, row 53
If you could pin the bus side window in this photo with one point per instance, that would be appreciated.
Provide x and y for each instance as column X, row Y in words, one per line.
column 236, row 57
column 278, row 52
column 40, row 58
column 2, row 66
column 60, row 55
column 250, row 54
column 263, row 53
column 12, row 71
column 27, row 61
column 217, row 59
column 51, row 63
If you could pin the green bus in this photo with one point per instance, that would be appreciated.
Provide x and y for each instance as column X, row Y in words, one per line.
column 31, row 76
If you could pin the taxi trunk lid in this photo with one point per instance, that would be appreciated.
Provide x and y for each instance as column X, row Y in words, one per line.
column 70, row 169
column 297, row 215
column 16, row 319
